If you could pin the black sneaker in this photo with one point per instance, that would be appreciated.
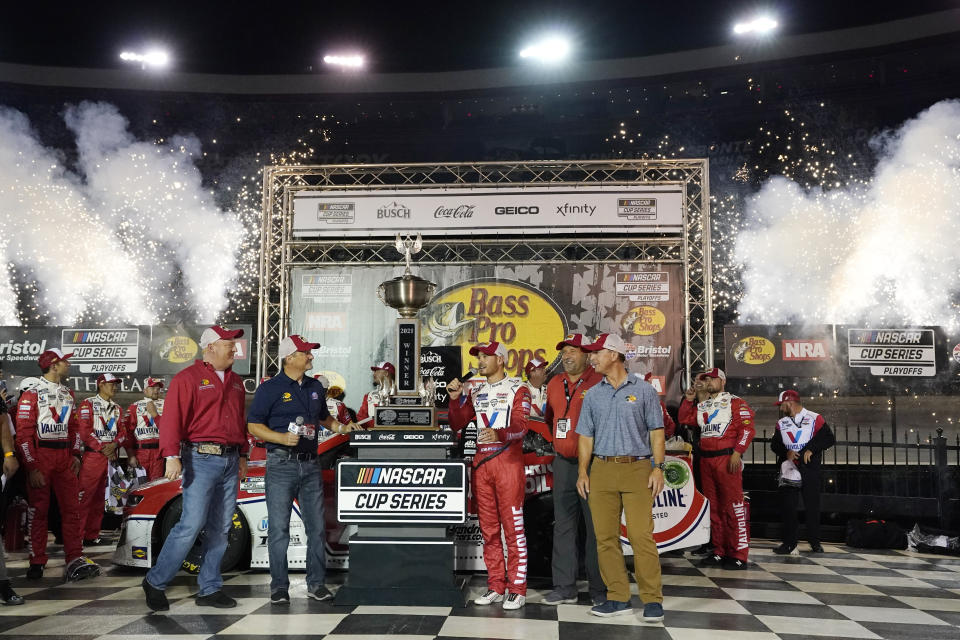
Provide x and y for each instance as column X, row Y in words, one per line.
column 703, row 550
column 8, row 596
column 816, row 548
column 217, row 599
column 711, row 562
column 280, row 596
column 80, row 569
column 786, row 550
column 319, row 592
column 35, row 572
column 732, row 564
column 93, row 542
column 156, row 598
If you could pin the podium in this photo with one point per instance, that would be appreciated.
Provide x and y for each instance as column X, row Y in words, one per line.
column 402, row 493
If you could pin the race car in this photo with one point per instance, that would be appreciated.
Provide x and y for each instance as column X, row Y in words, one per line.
column 681, row 516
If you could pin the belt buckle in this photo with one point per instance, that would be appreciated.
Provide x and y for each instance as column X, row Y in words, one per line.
column 215, row 449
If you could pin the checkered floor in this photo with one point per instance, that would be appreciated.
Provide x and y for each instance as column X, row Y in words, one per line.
column 840, row 594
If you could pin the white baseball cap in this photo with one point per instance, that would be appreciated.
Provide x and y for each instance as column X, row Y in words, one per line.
column 214, row 333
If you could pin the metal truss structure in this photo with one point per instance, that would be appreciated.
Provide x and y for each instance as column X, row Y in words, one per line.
column 281, row 252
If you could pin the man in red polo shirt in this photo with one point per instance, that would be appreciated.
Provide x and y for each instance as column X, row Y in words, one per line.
column 203, row 434
column 565, row 393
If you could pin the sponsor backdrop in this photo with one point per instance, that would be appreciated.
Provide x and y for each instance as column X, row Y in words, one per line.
column 528, row 308
column 864, row 357
column 540, row 209
column 131, row 353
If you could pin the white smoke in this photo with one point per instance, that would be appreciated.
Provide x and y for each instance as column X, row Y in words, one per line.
column 126, row 237
column 884, row 252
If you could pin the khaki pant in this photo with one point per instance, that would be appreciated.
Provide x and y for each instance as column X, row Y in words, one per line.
column 616, row 487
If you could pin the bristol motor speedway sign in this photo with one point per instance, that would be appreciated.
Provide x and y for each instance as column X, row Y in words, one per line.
column 401, row 492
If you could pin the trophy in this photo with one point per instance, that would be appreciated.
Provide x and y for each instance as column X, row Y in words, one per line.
column 409, row 403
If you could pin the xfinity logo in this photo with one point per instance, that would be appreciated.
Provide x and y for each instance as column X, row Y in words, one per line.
column 460, row 211
column 393, row 210
column 510, row 211
column 566, row 208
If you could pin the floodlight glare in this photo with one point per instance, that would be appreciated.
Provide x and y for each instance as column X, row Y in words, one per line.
column 553, row 49
column 345, row 61
column 761, row 25
column 154, row 58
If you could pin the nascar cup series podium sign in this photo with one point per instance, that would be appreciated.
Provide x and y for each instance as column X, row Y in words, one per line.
column 403, row 492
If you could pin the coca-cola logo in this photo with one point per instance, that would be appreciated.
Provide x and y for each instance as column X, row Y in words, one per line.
column 460, row 211
column 387, row 436
column 432, row 372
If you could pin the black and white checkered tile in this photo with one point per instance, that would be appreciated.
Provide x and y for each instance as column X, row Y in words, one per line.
column 840, row 594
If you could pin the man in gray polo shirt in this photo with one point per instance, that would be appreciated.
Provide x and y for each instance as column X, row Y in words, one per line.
column 621, row 434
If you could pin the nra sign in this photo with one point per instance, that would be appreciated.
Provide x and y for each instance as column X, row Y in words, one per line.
column 798, row 350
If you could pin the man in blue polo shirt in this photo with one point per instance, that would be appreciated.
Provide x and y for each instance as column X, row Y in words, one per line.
column 286, row 412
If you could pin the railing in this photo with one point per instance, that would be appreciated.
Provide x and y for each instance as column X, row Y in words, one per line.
column 914, row 479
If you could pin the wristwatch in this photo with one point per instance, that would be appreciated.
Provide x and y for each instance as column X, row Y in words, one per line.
column 659, row 465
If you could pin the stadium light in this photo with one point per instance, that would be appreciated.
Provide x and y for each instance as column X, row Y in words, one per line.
column 552, row 49
column 352, row 61
column 761, row 26
column 155, row 58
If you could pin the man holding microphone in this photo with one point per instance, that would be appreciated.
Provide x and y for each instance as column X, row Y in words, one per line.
column 286, row 412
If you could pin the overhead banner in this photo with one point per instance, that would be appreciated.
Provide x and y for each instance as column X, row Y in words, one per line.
column 539, row 209
column 527, row 308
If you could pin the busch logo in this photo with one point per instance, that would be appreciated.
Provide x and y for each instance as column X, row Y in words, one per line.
column 393, row 210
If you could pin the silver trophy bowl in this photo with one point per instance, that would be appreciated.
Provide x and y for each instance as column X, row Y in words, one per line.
column 407, row 294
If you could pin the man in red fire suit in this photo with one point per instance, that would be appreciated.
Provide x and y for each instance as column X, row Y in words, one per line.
column 102, row 432
column 48, row 441
column 143, row 430
column 501, row 406
column 383, row 376
column 726, row 430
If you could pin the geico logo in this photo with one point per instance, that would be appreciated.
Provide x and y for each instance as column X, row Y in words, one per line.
column 413, row 436
column 510, row 211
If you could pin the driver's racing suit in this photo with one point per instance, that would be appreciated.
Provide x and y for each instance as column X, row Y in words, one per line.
column 498, row 476
column 143, row 437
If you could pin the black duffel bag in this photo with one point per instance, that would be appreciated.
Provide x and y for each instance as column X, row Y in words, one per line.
column 875, row 534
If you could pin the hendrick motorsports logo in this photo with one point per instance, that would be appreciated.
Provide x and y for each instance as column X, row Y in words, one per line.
column 637, row 208
column 336, row 212
column 393, row 210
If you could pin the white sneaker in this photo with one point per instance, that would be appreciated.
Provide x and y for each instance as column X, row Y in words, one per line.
column 489, row 597
column 514, row 601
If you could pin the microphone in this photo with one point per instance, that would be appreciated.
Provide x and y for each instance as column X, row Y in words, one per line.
column 469, row 374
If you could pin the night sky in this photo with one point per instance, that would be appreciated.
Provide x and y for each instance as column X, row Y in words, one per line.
column 291, row 37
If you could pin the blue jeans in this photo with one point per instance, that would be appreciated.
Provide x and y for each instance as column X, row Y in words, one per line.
column 210, row 486
column 289, row 478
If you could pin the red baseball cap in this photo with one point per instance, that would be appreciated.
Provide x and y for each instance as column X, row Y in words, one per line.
column 293, row 343
column 51, row 356
column 787, row 396
column 107, row 377
column 607, row 341
column 713, row 373
column 490, row 349
column 214, row 333
column 536, row 363
column 155, row 382
column 385, row 366
column 577, row 340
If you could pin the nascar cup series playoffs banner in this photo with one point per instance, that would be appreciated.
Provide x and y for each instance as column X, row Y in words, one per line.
column 513, row 209
column 528, row 308
column 129, row 352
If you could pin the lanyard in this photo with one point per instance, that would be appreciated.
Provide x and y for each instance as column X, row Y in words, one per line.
column 568, row 395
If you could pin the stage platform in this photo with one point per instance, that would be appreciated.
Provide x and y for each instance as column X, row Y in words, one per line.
column 844, row 593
